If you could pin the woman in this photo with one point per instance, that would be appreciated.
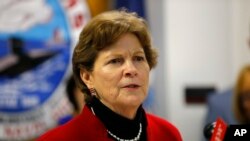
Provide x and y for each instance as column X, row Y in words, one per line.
column 242, row 96
column 75, row 96
column 76, row 99
column 111, row 65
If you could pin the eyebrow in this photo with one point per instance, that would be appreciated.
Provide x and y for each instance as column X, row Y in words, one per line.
column 120, row 54
column 140, row 51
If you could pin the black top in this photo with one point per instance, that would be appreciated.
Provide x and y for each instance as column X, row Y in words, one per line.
column 120, row 126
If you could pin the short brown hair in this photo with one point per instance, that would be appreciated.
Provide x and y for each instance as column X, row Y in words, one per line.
column 237, row 103
column 104, row 30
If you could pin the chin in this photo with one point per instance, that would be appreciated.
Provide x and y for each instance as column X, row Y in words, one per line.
column 133, row 102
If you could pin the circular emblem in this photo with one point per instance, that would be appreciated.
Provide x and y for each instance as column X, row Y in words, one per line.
column 36, row 44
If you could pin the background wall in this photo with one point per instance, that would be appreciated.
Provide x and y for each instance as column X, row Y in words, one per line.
column 201, row 43
column 241, row 33
column 197, row 54
column 156, row 21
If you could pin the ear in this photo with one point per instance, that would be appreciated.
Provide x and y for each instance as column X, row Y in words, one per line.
column 86, row 78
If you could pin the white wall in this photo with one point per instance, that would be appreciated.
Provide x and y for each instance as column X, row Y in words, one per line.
column 198, row 52
column 155, row 16
column 241, row 34
column 201, row 42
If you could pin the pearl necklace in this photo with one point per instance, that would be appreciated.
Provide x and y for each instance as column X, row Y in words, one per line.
column 134, row 139
column 137, row 138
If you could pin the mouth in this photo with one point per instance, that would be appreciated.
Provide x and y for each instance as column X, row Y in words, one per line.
column 132, row 86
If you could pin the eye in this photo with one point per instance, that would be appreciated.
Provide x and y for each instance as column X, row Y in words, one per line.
column 139, row 58
column 115, row 61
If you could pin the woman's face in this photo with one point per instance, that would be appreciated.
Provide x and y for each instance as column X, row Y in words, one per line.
column 121, row 74
column 246, row 94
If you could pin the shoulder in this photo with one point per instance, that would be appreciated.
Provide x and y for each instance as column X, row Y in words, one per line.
column 162, row 128
column 158, row 121
column 225, row 95
column 219, row 99
column 220, row 105
column 58, row 132
column 85, row 125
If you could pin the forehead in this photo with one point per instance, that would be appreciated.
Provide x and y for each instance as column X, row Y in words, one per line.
column 127, row 42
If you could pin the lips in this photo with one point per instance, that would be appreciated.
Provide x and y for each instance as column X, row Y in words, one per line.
column 132, row 86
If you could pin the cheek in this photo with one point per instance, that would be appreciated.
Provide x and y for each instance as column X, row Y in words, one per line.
column 146, row 69
column 145, row 75
column 247, row 105
column 112, row 78
column 107, row 80
column 145, row 80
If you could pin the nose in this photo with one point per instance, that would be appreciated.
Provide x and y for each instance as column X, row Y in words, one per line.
column 130, row 69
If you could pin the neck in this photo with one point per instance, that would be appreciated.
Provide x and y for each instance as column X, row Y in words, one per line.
column 125, row 111
column 118, row 123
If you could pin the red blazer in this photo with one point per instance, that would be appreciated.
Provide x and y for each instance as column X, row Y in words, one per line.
column 87, row 127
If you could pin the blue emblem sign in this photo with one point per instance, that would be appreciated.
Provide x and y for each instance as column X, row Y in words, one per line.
column 35, row 48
